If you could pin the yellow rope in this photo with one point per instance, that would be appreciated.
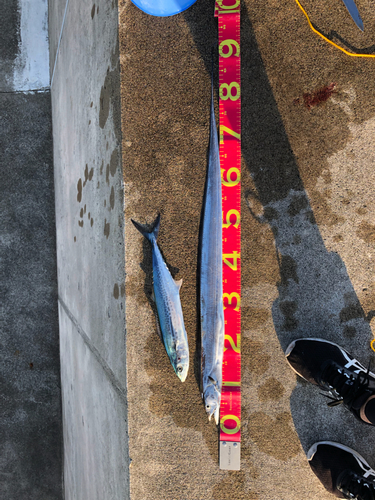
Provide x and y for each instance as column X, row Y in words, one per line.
column 332, row 43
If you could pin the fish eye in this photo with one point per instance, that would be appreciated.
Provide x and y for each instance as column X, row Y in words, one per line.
column 179, row 369
column 208, row 407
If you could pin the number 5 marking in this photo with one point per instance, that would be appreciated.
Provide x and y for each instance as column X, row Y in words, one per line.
column 228, row 222
column 236, row 348
column 229, row 297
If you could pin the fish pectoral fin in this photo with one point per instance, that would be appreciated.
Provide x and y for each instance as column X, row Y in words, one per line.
column 178, row 283
column 153, row 296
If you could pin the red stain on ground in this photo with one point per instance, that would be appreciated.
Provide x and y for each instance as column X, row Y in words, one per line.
column 311, row 99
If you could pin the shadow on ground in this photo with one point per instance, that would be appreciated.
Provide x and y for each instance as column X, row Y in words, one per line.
column 315, row 295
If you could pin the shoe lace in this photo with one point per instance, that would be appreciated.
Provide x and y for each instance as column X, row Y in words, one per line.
column 349, row 386
column 354, row 486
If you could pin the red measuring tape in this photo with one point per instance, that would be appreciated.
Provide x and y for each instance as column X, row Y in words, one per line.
column 228, row 13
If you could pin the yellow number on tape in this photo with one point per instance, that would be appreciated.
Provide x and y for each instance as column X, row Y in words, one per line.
column 228, row 88
column 220, row 4
column 228, row 43
column 235, row 256
column 228, row 182
column 229, row 131
column 230, row 417
column 236, row 348
column 228, row 222
column 229, row 296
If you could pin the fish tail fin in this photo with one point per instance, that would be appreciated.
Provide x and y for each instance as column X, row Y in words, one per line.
column 149, row 235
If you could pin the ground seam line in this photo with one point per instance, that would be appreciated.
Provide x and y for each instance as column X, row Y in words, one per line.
column 42, row 90
column 116, row 384
column 58, row 45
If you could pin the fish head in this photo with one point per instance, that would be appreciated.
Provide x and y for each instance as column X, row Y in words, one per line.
column 212, row 403
column 181, row 365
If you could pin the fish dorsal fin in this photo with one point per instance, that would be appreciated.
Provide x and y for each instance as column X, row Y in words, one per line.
column 178, row 284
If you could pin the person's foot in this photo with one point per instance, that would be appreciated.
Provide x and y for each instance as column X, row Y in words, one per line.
column 342, row 471
column 334, row 370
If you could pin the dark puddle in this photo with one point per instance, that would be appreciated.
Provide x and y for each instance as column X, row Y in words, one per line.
column 271, row 390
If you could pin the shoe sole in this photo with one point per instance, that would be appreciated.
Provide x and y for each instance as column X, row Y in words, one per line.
column 290, row 348
column 314, row 447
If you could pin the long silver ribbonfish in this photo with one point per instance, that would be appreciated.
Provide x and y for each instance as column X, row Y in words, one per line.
column 211, row 278
column 168, row 304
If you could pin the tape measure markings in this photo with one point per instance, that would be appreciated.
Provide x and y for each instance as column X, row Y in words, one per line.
column 230, row 163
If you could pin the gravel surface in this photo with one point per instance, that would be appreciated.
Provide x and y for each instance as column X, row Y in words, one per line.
column 308, row 237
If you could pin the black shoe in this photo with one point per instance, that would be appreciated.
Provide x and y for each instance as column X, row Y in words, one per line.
column 334, row 370
column 342, row 471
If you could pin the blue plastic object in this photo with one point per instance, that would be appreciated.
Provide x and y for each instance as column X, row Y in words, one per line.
column 163, row 8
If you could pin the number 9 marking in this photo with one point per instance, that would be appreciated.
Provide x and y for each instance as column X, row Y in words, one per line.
column 228, row 43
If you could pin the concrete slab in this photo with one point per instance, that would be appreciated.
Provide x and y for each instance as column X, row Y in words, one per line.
column 90, row 250
column 24, row 61
column 88, row 179
column 30, row 398
column 307, row 238
column 96, row 462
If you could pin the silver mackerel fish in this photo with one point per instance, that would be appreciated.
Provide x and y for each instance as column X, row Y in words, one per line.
column 168, row 304
column 211, row 278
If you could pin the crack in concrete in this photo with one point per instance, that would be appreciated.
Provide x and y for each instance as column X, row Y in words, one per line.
column 111, row 376
column 58, row 45
column 42, row 90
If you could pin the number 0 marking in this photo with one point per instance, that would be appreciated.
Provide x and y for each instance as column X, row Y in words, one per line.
column 230, row 431
column 236, row 4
